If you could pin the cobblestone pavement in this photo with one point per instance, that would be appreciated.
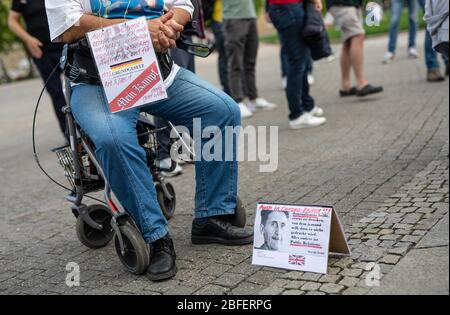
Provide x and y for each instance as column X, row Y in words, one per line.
column 382, row 162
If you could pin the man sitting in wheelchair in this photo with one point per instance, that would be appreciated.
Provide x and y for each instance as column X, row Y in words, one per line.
column 122, row 158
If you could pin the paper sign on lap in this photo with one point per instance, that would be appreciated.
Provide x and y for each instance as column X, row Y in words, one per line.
column 127, row 64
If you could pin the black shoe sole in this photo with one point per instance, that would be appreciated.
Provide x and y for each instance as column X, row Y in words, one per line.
column 370, row 93
column 439, row 80
column 203, row 240
column 163, row 276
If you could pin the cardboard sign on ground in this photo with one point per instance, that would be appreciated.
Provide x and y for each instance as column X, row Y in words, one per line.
column 297, row 237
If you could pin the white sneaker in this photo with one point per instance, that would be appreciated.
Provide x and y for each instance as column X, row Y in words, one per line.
column 413, row 53
column 261, row 104
column 307, row 121
column 284, row 83
column 317, row 112
column 331, row 58
column 177, row 171
column 245, row 112
column 311, row 79
column 388, row 57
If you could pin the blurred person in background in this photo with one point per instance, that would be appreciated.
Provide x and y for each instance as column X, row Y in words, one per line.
column 213, row 14
column 396, row 15
column 431, row 57
column 46, row 55
column 437, row 19
column 348, row 16
column 288, row 17
column 240, row 31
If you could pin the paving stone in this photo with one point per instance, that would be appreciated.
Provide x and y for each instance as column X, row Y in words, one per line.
column 419, row 233
column 411, row 238
column 262, row 277
column 330, row 278
column 388, row 244
column 294, row 284
column 370, row 237
column 308, row 276
column 280, row 283
column 211, row 289
column 390, row 237
column 403, row 226
column 372, row 243
column 293, row 275
column 403, row 232
column 402, row 251
column 349, row 282
column 331, row 288
column 355, row 291
column 373, row 255
column 311, row 286
column 216, row 270
column 351, row 272
column 371, row 231
column 390, row 259
column 271, row 291
column 315, row 293
column 411, row 219
column 344, row 263
column 333, row 270
column 247, row 288
column 404, row 244
column 230, row 280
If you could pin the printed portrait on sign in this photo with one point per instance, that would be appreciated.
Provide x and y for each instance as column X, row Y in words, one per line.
column 274, row 229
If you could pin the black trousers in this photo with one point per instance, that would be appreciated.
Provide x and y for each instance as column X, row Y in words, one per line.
column 241, row 45
column 45, row 65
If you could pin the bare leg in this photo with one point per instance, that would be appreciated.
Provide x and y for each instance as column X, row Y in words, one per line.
column 357, row 60
column 346, row 81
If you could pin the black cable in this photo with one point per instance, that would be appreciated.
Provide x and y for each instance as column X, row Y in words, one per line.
column 36, row 157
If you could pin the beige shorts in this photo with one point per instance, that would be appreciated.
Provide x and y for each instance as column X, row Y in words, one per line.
column 350, row 20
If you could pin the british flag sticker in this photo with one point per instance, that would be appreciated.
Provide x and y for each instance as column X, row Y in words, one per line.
column 297, row 260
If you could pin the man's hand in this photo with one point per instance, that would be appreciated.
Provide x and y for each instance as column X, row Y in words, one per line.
column 34, row 46
column 175, row 26
column 318, row 5
column 163, row 36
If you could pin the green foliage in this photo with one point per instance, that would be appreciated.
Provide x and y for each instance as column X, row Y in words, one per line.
column 6, row 37
column 259, row 4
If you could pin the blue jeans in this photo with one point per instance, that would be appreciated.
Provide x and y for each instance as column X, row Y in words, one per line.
column 289, row 19
column 124, row 161
column 396, row 13
column 285, row 63
column 431, row 56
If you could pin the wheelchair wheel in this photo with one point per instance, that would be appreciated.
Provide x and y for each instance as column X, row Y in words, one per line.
column 93, row 238
column 137, row 257
column 239, row 218
column 168, row 206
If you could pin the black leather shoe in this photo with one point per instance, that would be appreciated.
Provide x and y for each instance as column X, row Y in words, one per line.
column 347, row 93
column 162, row 260
column 219, row 230
column 369, row 89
